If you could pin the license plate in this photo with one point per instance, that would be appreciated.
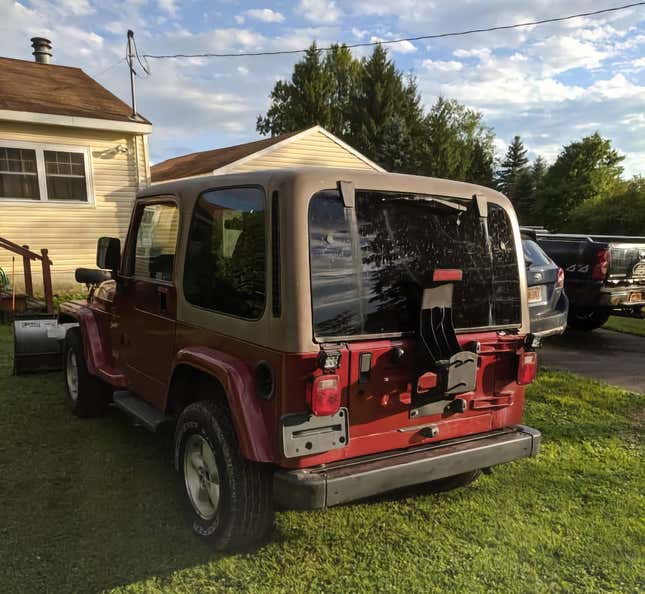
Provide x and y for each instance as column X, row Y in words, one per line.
column 535, row 294
column 635, row 297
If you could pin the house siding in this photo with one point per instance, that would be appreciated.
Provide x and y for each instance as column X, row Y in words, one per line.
column 70, row 231
column 315, row 150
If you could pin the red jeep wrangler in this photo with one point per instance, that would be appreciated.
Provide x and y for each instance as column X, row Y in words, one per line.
column 317, row 336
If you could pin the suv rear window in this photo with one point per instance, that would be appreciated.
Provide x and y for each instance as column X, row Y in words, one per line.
column 371, row 285
column 533, row 253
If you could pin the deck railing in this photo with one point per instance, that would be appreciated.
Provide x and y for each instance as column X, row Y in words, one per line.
column 27, row 257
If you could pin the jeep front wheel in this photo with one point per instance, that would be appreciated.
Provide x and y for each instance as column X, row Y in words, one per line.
column 87, row 395
column 229, row 497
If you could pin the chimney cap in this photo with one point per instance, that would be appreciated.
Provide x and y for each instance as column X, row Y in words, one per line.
column 42, row 49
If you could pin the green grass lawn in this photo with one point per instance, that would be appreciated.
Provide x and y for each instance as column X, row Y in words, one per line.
column 629, row 325
column 94, row 505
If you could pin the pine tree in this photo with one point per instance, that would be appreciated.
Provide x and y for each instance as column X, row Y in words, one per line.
column 457, row 144
column 529, row 183
column 482, row 160
column 344, row 71
column 511, row 167
column 538, row 171
column 377, row 109
column 376, row 104
column 304, row 101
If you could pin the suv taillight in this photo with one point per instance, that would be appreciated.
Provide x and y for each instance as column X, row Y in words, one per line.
column 560, row 282
column 601, row 266
column 324, row 398
column 527, row 368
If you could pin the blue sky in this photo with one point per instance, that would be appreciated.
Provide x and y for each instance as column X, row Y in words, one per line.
column 551, row 84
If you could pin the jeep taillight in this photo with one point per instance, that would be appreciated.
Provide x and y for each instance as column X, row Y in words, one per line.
column 527, row 368
column 560, row 282
column 601, row 266
column 324, row 398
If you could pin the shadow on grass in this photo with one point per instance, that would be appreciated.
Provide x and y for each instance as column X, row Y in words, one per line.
column 87, row 504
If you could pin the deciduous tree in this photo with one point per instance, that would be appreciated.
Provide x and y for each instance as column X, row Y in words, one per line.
column 588, row 169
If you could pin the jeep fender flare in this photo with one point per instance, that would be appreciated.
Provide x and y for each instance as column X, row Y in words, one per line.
column 238, row 383
column 93, row 347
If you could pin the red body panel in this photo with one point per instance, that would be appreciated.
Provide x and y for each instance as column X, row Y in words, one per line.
column 379, row 409
column 144, row 326
column 378, row 406
column 237, row 379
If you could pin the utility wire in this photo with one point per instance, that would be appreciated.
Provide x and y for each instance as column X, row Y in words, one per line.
column 130, row 59
column 391, row 41
column 97, row 74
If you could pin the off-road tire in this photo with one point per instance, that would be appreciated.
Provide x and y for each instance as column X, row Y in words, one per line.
column 245, row 515
column 587, row 318
column 454, row 482
column 93, row 395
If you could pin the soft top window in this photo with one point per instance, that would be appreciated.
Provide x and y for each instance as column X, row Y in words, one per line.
column 370, row 283
column 224, row 268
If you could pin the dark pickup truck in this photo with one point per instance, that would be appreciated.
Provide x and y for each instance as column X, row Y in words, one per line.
column 604, row 275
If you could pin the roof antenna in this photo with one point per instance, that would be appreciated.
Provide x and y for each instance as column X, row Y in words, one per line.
column 130, row 59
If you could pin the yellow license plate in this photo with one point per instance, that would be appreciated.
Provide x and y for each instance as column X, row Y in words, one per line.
column 535, row 294
column 635, row 297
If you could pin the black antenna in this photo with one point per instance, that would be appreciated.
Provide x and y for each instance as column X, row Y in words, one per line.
column 130, row 59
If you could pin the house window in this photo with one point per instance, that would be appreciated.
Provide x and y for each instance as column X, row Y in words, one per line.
column 43, row 173
column 65, row 173
column 18, row 174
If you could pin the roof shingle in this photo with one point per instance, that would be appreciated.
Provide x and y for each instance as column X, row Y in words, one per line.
column 58, row 90
column 205, row 162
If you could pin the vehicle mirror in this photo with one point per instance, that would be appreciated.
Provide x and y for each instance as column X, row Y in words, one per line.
column 528, row 262
column 108, row 253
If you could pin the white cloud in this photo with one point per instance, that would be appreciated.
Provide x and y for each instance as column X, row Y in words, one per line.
column 168, row 6
column 617, row 87
column 442, row 66
column 266, row 15
column 560, row 53
column 479, row 53
column 401, row 47
column 116, row 27
column 550, row 84
column 76, row 7
column 639, row 63
column 319, row 11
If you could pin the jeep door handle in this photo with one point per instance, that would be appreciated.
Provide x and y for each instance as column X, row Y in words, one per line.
column 163, row 300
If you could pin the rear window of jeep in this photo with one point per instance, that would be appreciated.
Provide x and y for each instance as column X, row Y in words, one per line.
column 224, row 269
column 367, row 280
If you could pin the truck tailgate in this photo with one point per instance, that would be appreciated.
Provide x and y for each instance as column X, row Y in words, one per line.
column 627, row 261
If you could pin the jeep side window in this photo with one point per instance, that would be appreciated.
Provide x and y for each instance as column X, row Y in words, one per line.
column 154, row 249
column 225, row 256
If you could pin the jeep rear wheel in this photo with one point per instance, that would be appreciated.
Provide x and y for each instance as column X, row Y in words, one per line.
column 587, row 318
column 229, row 497
column 88, row 396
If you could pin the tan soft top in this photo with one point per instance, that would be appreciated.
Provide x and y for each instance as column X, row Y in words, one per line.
column 325, row 178
column 293, row 331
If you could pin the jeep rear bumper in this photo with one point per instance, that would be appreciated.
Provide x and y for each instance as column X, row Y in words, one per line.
column 357, row 478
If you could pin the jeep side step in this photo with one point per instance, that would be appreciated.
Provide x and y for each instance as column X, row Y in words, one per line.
column 143, row 413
